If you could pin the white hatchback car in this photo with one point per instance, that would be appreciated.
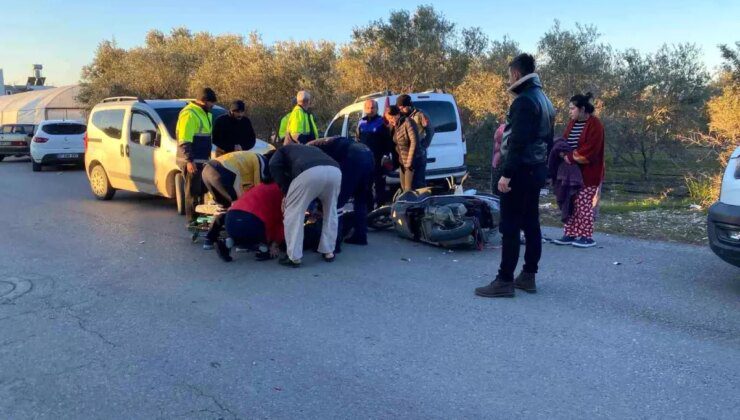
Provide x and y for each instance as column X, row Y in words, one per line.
column 446, row 154
column 58, row 142
column 130, row 145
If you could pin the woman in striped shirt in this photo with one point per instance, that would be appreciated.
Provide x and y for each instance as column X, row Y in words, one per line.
column 585, row 135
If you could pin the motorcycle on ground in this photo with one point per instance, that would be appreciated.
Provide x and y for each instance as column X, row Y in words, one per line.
column 447, row 217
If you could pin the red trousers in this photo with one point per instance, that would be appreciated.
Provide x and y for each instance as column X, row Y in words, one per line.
column 581, row 222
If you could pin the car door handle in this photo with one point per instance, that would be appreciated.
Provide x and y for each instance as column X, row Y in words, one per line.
column 121, row 150
column 128, row 152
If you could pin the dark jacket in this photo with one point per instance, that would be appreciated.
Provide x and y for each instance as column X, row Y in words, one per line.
column 424, row 127
column 336, row 147
column 293, row 159
column 406, row 138
column 229, row 131
column 529, row 127
column 566, row 178
column 373, row 133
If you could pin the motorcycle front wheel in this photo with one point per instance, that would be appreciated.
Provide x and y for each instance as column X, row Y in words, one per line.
column 380, row 218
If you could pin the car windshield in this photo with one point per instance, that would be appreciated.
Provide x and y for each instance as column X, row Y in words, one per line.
column 169, row 116
column 64, row 128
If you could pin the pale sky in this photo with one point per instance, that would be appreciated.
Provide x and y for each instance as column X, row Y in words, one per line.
column 63, row 35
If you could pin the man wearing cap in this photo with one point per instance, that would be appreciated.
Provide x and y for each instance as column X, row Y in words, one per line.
column 194, row 120
column 233, row 131
column 426, row 132
column 301, row 124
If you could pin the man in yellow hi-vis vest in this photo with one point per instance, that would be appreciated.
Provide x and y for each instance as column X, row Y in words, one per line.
column 284, row 121
column 301, row 124
column 194, row 120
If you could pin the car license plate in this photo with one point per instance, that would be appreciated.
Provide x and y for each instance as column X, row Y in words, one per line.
column 68, row 155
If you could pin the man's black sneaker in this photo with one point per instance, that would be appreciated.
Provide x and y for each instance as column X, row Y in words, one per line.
column 565, row 240
column 497, row 288
column 263, row 256
column 525, row 281
column 584, row 243
column 354, row 241
column 223, row 251
column 286, row 261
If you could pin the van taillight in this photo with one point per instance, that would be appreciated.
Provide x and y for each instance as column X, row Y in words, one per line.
column 459, row 118
column 40, row 139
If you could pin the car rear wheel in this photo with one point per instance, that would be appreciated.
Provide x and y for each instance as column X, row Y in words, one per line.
column 180, row 193
column 100, row 184
column 2, row 157
column 36, row 167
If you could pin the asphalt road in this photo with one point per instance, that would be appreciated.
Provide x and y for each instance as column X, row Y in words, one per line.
column 108, row 311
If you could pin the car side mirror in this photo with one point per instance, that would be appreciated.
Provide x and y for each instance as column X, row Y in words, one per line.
column 145, row 139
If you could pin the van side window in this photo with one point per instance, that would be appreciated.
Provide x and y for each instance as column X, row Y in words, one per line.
column 441, row 115
column 109, row 121
column 335, row 129
column 142, row 123
column 352, row 123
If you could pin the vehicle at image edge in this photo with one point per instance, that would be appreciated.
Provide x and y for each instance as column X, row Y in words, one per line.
column 15, row 139
column 130, row 145
column 723, row 221
column 58, row 142
column 446, row 154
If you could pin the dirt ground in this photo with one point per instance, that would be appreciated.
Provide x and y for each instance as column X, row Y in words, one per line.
column 666, row 224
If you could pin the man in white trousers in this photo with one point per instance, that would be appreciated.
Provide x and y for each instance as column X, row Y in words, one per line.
column 305, row 173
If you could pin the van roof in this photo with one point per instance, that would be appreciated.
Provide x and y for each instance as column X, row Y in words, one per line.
column 45, row 122
column 429, row 95
column 417, row 96
column 154, row 103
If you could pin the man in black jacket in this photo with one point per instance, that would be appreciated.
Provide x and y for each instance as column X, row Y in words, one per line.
column 426, row 133
column 233, row 131
column 305, row 173
column 356, row 163
column 529, row 131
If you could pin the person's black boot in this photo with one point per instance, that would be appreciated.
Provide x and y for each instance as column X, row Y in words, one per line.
column 497, row 288
column 223, row 251
column 356, row 241
column 525, row 281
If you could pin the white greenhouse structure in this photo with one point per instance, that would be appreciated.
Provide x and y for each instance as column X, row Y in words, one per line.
column 47, row 104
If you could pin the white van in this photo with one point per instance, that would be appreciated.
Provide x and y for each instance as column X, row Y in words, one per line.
column 723, row 220
column 446, row 154
column 130, row 145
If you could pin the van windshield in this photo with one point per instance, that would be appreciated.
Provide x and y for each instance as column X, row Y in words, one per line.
column 169, row 116
column 441, row 114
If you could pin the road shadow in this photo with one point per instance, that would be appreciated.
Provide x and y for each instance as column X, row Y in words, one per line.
column 145, row 200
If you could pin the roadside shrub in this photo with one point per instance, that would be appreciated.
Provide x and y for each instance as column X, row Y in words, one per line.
column 703, row 188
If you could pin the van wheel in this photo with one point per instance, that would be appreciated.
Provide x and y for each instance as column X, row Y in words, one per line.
column 100, row 185
column 36, row 167
column 180, row 193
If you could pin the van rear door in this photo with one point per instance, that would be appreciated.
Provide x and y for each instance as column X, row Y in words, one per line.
column 447, row 149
